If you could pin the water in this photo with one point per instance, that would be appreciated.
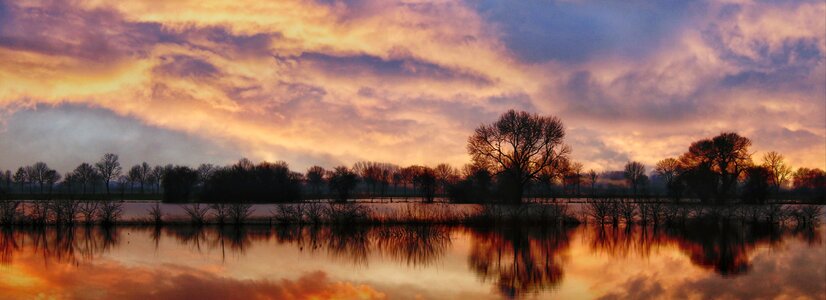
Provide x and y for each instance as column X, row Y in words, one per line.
column 426, row 262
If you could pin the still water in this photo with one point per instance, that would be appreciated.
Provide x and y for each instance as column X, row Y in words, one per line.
column 403, row 262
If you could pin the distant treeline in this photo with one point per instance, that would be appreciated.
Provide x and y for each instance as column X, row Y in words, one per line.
column 520, row 156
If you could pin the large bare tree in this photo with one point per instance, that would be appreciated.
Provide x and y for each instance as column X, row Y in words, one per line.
column 518, row 147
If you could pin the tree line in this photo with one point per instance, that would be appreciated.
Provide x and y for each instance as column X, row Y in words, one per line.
column 518, row 157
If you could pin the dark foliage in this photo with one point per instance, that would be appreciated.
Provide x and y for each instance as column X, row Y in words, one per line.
column 179, row 183
column 425, row 182
column 758, row 185
column 342, row 182
column 243, row 182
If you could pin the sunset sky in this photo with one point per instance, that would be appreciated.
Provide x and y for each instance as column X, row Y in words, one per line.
column 335, row 82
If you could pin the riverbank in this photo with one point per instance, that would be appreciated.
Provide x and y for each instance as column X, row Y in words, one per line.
column 602, row 211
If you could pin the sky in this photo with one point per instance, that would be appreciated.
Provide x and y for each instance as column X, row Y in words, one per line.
column 335, row 82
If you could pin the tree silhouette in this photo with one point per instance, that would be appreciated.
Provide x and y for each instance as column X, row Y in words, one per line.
column 21, row 177
column 779, row 171
column 669, row 169
column 40, row 172
column 52, row 177
column 445, row 176
column 634, row 172
column 811, row 181
column 108, row 168
column 7, row 180
column 315, row 178
column 205, row 171
column 342, row 181
column 576, row 175
column 133, row 176
column 145, row 172
column 556, row 171
column 179, row 183
column 475, row 187
column 265, row 182
column 157, row 176
column 519, row 145
column 424, row 181
column 713, row 166
column 375, row 175
column 84, row 174
column 758, row 184
column 592, row 175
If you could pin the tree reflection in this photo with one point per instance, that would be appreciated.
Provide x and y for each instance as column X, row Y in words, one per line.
column 519, row 260
column 724, row 248
column 515, row 260
column 57, row 244
column 413, row 245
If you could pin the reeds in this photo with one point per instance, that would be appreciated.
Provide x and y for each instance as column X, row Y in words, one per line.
column 197, row 213
column 89, row 211
column 155, row 214
column 601, row 211
column 239, row 212
column 110, row 212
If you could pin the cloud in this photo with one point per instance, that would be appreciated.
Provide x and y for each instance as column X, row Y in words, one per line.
column 578, row 31
column 78, row 134
column 106, row 280
column 341, row 81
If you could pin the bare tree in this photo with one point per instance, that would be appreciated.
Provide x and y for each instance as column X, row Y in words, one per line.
column 779, row 170
column 205, row 171
column 22, row 178
column 425, row 182
column 592, row 175
column 445, row 175
column 109, row 169
column 342, row 181
column 85, row 175
column 39, row 172
column 52, row 177
column 634, row 173
column 576, row 174
column 145, row 172
column 519, row 145
column 157, row 176
column 668, row 169
column 134, row 176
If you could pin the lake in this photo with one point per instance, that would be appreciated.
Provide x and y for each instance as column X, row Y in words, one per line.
column 412, row 262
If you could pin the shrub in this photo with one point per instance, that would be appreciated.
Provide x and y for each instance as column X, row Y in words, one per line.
column 196, row 213
column 110, row 212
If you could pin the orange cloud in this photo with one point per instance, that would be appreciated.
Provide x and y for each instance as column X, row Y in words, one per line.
column 400, row 81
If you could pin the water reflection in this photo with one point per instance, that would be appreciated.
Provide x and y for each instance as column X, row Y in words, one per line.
column 410, row 245
column 58, row 245
column 722, row 248
column 511, row 261
column 519, row 260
